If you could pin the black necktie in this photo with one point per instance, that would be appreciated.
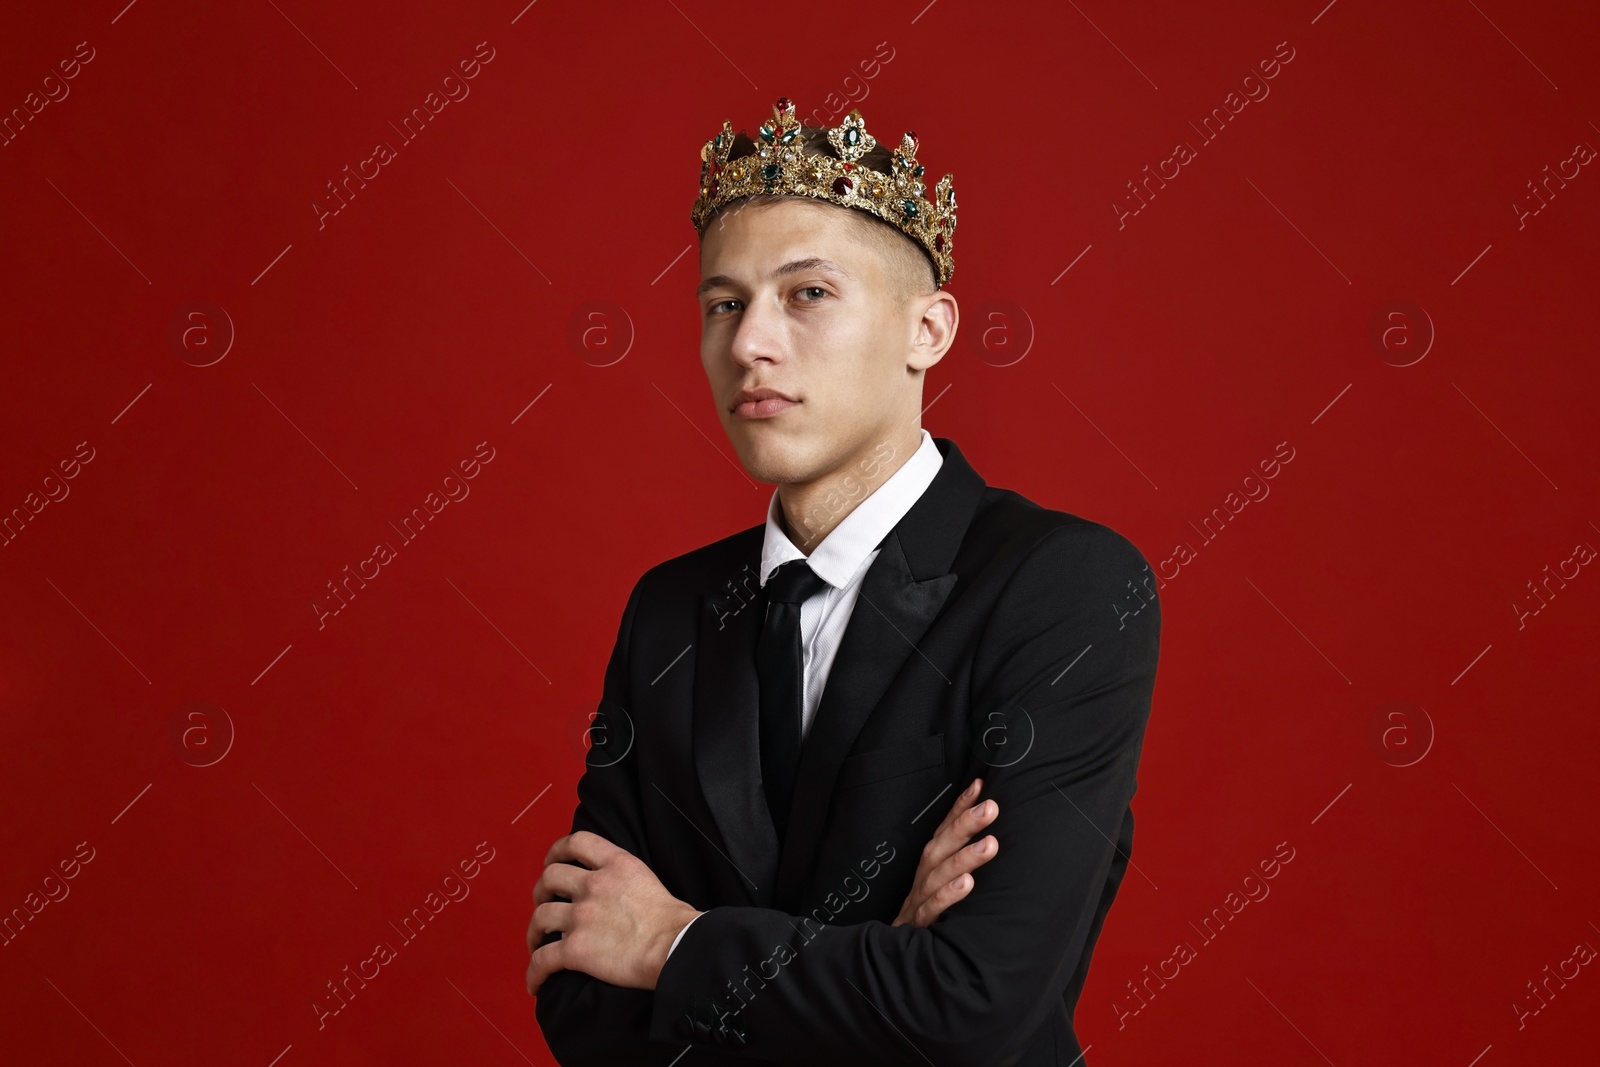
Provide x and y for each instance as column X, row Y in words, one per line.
column 780, row 667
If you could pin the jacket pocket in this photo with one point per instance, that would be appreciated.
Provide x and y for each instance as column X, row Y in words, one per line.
column 893, row 761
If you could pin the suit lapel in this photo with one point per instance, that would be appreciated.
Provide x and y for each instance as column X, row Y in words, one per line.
column 902, row 593
column 727, row 743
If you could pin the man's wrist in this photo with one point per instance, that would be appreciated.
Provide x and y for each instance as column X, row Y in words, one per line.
column 681, row 933
column 687, row 919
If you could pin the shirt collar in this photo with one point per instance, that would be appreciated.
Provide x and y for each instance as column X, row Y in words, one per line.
column 839, row 555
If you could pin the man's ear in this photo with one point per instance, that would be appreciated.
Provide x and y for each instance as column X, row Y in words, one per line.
column 935, row 328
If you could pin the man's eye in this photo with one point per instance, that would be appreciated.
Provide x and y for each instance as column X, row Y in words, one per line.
column 717, row 307
column 819, row 290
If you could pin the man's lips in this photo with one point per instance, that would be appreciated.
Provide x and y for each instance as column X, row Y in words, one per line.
column 761, row 402
column 764, row 408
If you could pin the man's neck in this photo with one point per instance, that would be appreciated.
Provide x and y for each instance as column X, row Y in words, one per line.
column 809, row 512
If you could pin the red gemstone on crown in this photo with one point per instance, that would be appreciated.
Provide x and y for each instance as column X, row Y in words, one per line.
column 841, row 186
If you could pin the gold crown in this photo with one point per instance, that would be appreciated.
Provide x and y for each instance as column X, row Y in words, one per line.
column 783, row 166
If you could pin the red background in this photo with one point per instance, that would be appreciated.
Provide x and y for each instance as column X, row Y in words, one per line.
column 1139, row 388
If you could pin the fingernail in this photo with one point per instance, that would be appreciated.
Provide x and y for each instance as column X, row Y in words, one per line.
column 987, row 808
column 971, row 789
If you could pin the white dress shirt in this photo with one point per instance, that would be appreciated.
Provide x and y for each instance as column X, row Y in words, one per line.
column 841, row 559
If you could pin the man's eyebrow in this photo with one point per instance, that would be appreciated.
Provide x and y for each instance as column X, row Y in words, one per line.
column 711, row 283
column 794, row 267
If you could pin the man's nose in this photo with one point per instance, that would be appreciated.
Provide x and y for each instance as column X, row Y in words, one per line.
column 759, row 334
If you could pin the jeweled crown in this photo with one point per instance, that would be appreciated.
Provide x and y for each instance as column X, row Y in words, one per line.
column 782, row 165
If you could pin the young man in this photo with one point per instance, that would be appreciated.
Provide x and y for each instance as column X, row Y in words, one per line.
column 753, row 868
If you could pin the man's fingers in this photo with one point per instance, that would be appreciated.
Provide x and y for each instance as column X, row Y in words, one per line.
column 949, row 855
column 962, row 813
column 962, row 861
column 957, row 831
column 953, row 880
column 964, row 800
column 584, row 846
column 551, row 915
column 545, row 962
column 947, row 895
column 559, row 880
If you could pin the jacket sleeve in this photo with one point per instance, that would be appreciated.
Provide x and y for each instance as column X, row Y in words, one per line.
column 588, row 1022
column 1062, row 683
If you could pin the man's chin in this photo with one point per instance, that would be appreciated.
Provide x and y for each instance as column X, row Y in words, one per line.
column 773, row 457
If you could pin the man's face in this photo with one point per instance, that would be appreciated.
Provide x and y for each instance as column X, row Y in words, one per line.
column 803, row 302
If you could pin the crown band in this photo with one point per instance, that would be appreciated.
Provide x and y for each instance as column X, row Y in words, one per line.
column 783, row 166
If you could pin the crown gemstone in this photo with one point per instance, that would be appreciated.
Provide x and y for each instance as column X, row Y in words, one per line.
column 938, row 241
column 770, row 172
column 842, row 186
column 909, row 207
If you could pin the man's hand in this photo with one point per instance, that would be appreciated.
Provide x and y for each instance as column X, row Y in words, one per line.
column 619, row 923
column 944, row 875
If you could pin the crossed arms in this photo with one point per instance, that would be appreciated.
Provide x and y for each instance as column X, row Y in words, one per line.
column 1067, row 663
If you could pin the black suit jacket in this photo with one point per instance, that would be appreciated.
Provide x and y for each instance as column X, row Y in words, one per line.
column 991, row 638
